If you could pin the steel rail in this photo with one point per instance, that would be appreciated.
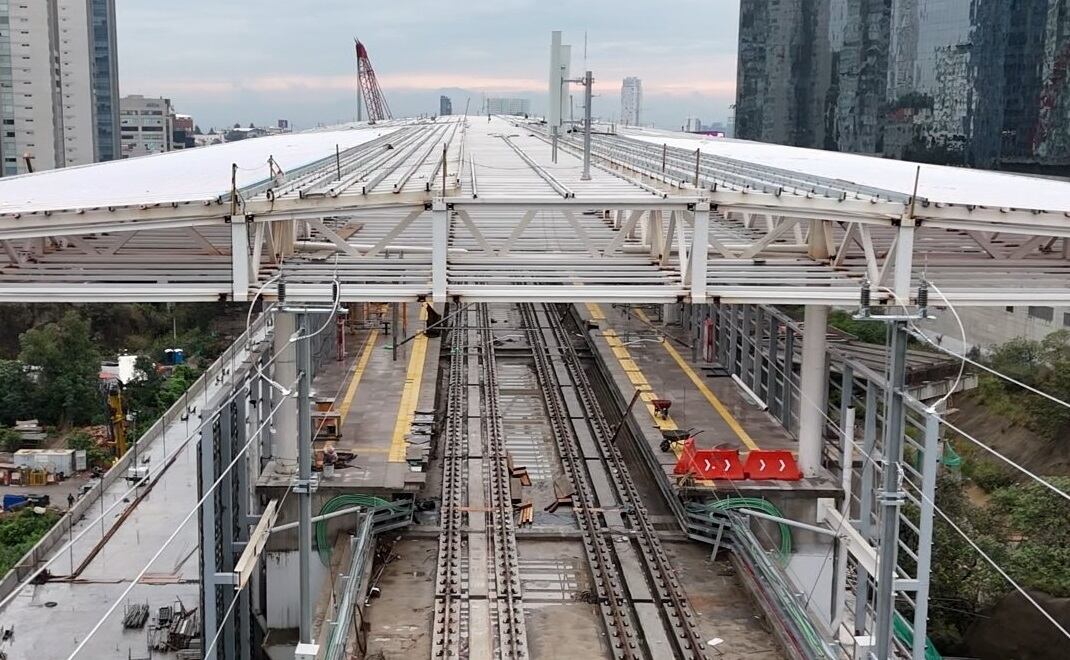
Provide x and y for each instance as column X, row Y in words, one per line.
column 512, row 635
column 675, row 608
column 601, row 556
column 450, row 590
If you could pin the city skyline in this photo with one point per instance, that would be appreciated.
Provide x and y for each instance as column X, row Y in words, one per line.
column 300, row 67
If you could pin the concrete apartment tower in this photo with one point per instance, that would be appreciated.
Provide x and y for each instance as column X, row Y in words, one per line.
column 59, row 91
column 631, row 101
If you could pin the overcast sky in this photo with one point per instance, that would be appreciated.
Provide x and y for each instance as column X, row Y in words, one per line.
column 260, row 60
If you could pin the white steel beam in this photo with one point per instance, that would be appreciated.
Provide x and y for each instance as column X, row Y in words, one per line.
column 699, row 253
column 440, row 233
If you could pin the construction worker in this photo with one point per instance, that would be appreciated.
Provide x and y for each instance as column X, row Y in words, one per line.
column 330, row 457
column 70, row 501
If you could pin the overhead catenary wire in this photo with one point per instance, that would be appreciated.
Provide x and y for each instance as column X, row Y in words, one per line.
column 943, row 515
column 1009, row 461
column 189, row 516
column 993, row 563
column 150, row 473
column 205, row 421
column 943, row 420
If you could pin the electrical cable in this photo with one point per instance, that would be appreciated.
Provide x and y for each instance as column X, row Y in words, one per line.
column 148, row 474
column 962, row 329
column 920, row 334
column 951, row 391
column 993, row 563
column 289, row 488
column 237, row 456
column 1044, row 482
column 223, row 622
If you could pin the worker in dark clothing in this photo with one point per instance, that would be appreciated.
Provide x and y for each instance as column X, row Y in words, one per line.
column 70, row 501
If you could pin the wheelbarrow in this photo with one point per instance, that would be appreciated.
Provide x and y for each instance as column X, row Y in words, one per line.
column 661, row 407
column 676, row 436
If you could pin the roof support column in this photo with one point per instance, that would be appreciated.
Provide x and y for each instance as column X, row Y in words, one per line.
column 239, row 257
column 904, row 260
column 284, row 437
column 700, row 249
column 440, row 232
column 812, row 401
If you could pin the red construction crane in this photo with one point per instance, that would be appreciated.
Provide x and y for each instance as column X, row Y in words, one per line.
column 369, row 88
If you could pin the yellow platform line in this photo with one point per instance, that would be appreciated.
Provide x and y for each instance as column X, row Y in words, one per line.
column 725, row 414
column 358, row 373
column 633, row 372
column 642, row 385
column 410, row 395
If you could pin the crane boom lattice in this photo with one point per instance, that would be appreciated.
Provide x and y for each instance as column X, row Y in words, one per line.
column 369, row 87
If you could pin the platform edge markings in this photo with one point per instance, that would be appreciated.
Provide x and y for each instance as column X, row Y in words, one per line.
column 358, row 373
column 647, row 394
column 725, row 414
column 409, row 394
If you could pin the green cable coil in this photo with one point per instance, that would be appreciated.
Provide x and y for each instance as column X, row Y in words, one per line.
column 758, row 504
column 346, row 502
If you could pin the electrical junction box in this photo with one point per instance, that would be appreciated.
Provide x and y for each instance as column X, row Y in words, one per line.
column 307, row 651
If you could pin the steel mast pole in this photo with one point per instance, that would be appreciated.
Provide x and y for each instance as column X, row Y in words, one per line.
column 304, row 477
column 891, row 496
column 588, row 79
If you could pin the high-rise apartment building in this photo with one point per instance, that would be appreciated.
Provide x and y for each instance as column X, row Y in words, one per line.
column 500, row 105
column 982, row 83
column 58, row 84
column 631, row 101
column 147, row 125
column 445, row 106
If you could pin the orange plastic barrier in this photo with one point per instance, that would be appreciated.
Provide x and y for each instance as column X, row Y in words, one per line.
column 772, row 464
column 709, row 463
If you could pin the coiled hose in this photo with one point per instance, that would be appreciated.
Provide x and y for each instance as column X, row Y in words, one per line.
column 346, row 502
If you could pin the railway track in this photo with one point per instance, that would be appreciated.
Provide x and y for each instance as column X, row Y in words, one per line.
column 451, row 592
column 646, row 615
column 643, row 609
column 512, row 636
column 476, row 509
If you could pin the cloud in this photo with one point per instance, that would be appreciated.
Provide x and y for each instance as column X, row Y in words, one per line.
column 247, row 60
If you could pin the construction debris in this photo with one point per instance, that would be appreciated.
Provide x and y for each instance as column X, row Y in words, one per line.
column 136, row 615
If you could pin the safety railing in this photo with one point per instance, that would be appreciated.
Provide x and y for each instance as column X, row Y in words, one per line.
column 221, row 369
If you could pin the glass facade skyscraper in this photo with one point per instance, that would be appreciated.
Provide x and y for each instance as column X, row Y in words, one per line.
column 105, row 78
column 971, row 82
column 59, row 91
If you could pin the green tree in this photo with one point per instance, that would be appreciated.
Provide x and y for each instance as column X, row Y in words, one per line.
column 871, row 332
column 69, row 366
column 10, row 441
column 1040, row 523
column 15, row 392
column 94, row 455
column 21, row 531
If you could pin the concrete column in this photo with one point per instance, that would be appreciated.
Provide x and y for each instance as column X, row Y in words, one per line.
column 812, row 403
column 239, row 258
column 284, row 442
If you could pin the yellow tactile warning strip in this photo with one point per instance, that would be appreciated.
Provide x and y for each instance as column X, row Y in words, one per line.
column 704, row 389
column 635, row 375
column 358, row 373
column 410, row 395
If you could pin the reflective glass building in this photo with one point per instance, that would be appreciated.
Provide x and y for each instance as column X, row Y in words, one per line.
column 975, row 82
